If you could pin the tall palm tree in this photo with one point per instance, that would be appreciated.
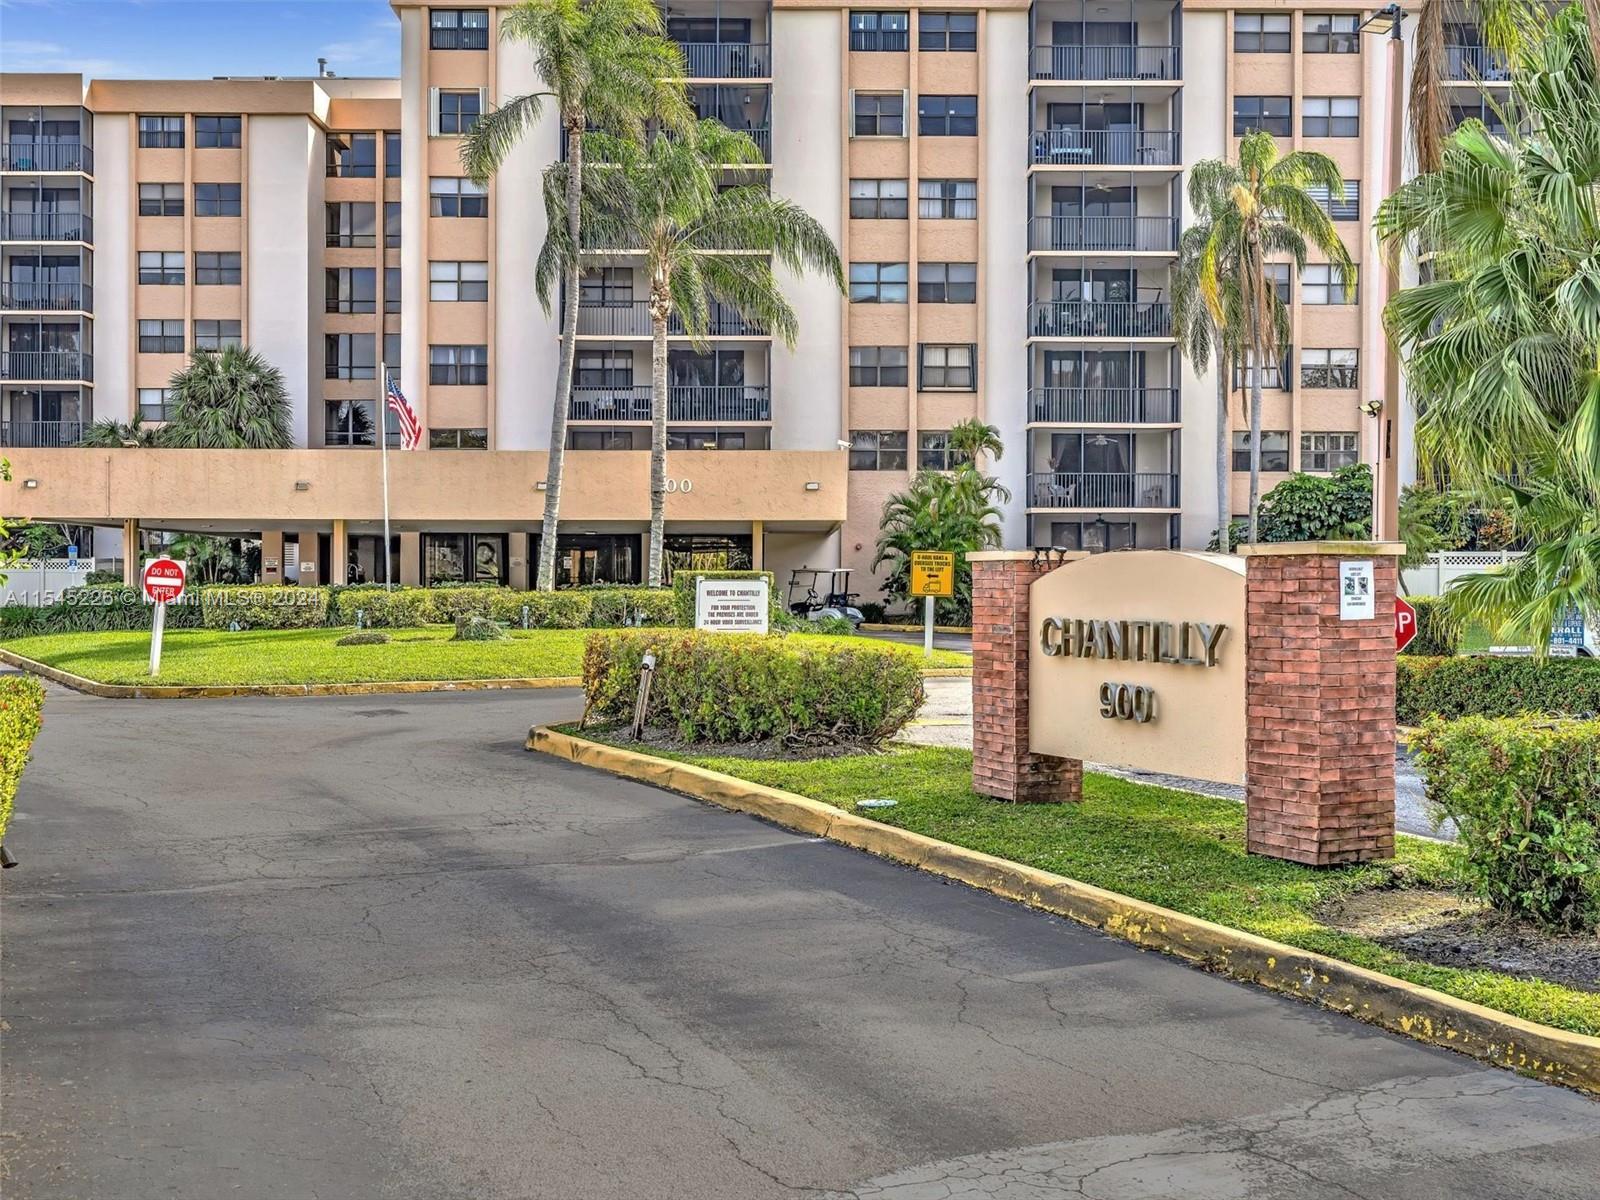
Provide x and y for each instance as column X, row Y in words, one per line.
column 231, row 398
column 1510, row 28
column 1268, row 210
column 703, row 245
column 605, row 63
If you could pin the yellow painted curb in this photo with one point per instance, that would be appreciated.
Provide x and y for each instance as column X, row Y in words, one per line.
column 163, row 691
column 1418, row 1012
column 947, row 672
column 881, row 627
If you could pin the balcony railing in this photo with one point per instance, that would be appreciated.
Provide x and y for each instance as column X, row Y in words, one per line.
column 1099, row 147
column 1103, row 406
column 41, row 434
column 45, row 295
column 1475, row 63
column 1104, row 233
column 1106, row 62
column 46, row 227
column 1102, row 490
column 726, row 60
column 46, row 156
column 50, row 365
column 1099, row 319
column 633, row 320
column 715, row 403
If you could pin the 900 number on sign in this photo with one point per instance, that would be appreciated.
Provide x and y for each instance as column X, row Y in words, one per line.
column 1127, row 702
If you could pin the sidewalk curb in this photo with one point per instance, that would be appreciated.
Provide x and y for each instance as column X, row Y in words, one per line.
column 1418, row 1012
column 885, row 627
column 158, row 691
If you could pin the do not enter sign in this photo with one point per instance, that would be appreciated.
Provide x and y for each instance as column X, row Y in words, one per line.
column 1405, row 623
column 164, row 579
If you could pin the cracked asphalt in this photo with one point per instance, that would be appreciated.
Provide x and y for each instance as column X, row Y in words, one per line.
column 370, row 947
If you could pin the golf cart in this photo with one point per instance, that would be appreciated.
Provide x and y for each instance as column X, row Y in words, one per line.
column 817, row 592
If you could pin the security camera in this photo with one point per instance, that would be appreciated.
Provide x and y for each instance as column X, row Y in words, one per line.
column 842, row 444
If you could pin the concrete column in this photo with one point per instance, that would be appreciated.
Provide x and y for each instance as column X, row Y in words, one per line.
column 130, row 552
column 520, row 568
column 758, row 537
column 337, row 569
column 410, row 560
column 313, row 571
column 272, row 556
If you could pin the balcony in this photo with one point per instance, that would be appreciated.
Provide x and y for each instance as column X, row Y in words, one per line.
column 1104, row 147
column 1471, row 64
column 46, row 156
column 1099, row 319
column 46, row 365
column 726, row 60
column 761, row 136
column 45, row 295
column 1098, row 490
column 633, row 320
column 1103, row 406
column 46, row 227
column 714, row 404
column 49, row 435
column 1132, row 63
column 1104, row 234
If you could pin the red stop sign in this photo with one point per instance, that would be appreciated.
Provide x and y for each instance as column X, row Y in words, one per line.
column 163, row 580
column 1405, row 623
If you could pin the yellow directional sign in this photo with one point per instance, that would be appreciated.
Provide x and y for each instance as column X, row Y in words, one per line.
column 933, row 573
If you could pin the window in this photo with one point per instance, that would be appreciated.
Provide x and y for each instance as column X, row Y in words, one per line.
column 458, row 29
column 1331, row 116
column 216, row 200
column 350, row 423
column 153, row 403
column 1281, row 280
column 934, row 452
column 878, row 283
column 880, row 31
column 1346, row 208
column 947, row 31
column 1261, row 33
column 878, row 199
column 391, row 289
column 160, row 337
column 1274, row 450
column 458, row 365
column 161, row 133
column 351, row 289
column 351, row 224
column 1329, row 368
column 452, row 197
column 1328, row 451
column 1272, row 113
column 458, row 439
column 352, row 156
column 458, row 111
column 603, row 369
column 947, row 283
column 350, row 356
column 391, row 223
column 161, row 199
column 214, row 335
column 606, row 287
column 946, row 368
column 465, row 558
column 458, row 281
column 880, row 114
column 877, row 450
column 217, row 133
column 1324, row 283
column 947, row 199
column 161, row 268
column 947, row 116
column 600, row 439
column 1093, row 536
column 1331, row 33
column 391, row 357
column 1273, row 377
column 705, row 439
column 214, row 268
column 391, row 154
column 878, row 366
column 1484, row 109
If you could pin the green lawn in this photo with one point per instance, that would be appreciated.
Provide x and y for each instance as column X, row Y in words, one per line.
column 1179, row 850
column 206, row 656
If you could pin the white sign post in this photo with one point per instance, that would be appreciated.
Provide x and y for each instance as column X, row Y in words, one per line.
column 730, row 605
column 1357, row 601
column 163, row 579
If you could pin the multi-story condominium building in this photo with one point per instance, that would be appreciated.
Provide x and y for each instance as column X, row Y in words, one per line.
column 1004, row 181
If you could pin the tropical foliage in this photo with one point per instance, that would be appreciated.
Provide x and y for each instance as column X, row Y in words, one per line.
column 1315, row 508
column 231, row 399
column 1433, row 519
column 110, row 434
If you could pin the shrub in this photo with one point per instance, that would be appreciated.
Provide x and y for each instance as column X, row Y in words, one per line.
column 546, row 610
column 1494, row 687
column 683, row 589
column 364, row 637
column 1525, row 796
column 269, row 606
column 451, row 603
column 21, row 703
column 872, row 612
column 833, row 625
column 477, row 629
column 1438, row 631
column 614, row 606
column 401, row 608
column 95, row 609
column 721, row 687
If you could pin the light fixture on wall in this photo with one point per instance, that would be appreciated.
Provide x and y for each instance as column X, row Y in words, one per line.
column 30, row 483
column 302, row 485
column 540, row 486
column 1372, row 407
column 813, row 486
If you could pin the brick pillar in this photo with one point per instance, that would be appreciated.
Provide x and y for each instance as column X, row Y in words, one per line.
column 1319, row 697
column 1002, row 765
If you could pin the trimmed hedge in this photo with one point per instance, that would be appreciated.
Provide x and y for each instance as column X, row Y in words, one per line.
column 94, row 608
column 611, row 607
column 1525, row 795
column 722, row 687
column 264, row 606
column 1438, row 632
column 546, row 610
column 1494, row 687
column 683, row 592
column 21, row 709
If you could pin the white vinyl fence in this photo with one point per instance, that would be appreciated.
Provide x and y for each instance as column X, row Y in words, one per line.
column 1444, row 568
column 40, row 581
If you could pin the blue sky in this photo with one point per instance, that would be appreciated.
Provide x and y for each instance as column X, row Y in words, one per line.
column 196, row 39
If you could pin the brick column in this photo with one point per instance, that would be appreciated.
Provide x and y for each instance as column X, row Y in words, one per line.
column 1319, row 696
column 1002, row 765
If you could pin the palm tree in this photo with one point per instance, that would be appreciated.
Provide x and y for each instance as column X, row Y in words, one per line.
column 604, row 63
column 1510, row 28
column 1502, row 346
column 970, row 438
column 109, row 434
column 231, row 398
column 702, row 245
column 1268, row 210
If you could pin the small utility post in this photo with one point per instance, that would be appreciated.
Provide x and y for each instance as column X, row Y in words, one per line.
column 933, row 574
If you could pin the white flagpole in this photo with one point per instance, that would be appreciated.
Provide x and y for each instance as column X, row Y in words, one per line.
column 383, row 442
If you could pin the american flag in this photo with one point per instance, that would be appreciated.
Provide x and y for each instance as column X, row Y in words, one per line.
column 405, row 416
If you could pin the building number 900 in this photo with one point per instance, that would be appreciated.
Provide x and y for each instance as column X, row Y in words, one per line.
column 1127, row 702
